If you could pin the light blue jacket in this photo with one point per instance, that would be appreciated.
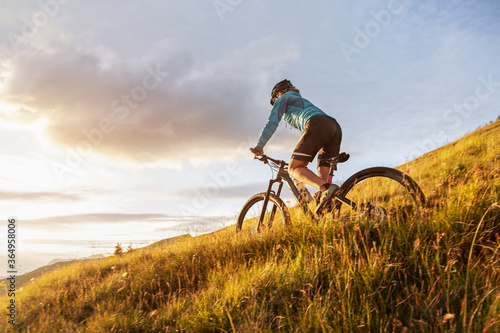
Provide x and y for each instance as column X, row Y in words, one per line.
column 293, row 109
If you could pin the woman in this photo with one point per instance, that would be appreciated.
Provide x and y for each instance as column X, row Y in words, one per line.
column 320, row 134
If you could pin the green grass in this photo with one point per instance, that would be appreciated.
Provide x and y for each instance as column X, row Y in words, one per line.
column 440, row 273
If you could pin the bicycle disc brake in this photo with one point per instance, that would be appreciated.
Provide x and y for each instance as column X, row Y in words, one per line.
column 374, row 211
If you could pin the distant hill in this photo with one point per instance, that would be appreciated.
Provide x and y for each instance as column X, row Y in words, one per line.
column 97, row 256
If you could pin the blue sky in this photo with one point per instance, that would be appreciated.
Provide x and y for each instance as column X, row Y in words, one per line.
column 130, row 122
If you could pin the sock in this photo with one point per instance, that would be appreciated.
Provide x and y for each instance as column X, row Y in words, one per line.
column 325, row 187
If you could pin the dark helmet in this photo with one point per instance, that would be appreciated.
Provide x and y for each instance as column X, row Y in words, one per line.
column 280, row 86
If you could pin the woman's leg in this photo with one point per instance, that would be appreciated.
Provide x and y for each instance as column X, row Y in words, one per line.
column 298, row 170
column 323, row 172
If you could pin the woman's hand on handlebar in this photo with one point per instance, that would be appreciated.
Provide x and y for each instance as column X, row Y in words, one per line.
column 257, row 151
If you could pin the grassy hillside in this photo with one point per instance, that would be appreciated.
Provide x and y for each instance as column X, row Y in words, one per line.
column 437, row 274
column 25, row 279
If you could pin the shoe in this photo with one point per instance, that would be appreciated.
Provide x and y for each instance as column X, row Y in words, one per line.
column 326, row 196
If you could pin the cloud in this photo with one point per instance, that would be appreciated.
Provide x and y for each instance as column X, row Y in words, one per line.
column 88, row 83
column 199, row 225
column 146, row 226
column 76, row 220
column 169, row 103
column 39, row 196
column 235, row 192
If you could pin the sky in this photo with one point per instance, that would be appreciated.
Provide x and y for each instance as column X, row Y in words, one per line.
column 130, row 121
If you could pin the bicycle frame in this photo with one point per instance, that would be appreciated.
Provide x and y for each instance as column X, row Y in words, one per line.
column 333, row 168
column 284, row 175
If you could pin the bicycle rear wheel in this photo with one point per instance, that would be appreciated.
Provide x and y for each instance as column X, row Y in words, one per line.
column 380, row 193
column 276, row 214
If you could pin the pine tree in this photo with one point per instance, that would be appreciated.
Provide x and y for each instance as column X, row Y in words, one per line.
column 118, row 250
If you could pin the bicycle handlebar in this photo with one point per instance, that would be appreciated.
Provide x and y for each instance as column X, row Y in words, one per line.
column 265, row 159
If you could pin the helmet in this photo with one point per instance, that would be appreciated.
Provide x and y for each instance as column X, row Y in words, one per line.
column 280, row 86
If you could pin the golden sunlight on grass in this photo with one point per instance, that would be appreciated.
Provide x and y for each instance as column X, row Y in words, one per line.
column 437, row 273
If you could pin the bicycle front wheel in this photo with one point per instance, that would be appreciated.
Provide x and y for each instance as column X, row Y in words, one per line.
column 380, row 193
column 276, row 214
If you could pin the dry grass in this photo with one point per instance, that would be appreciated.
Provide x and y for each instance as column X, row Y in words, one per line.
column 436, row 274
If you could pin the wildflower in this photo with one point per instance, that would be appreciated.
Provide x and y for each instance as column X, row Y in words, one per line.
column 447, row 317
column 439, row 236
column 416, row 244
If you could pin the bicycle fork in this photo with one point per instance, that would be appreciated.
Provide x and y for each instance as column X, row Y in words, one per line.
column 266, row 201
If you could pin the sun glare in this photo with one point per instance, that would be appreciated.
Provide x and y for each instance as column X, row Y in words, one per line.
column 10, row 120
column 7, row 108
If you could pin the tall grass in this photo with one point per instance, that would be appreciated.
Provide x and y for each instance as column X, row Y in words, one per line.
column 440, row 273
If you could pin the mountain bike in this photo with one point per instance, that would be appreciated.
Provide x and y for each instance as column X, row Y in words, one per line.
column 377, row 193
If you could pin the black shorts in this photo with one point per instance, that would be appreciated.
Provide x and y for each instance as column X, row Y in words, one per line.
column 322, row 135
